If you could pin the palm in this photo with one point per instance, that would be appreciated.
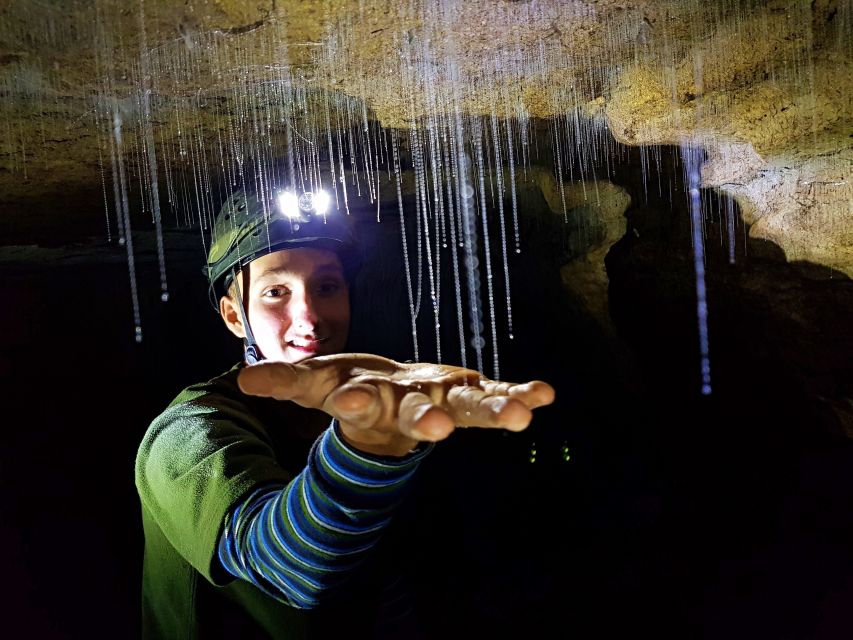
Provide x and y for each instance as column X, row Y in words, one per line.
column 383, row 403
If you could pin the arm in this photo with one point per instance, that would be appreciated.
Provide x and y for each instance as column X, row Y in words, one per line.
column 298, row 543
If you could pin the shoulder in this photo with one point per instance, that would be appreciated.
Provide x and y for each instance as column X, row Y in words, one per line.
column 205, row 419
column 211, row 402
column 219, row 391
column 198, row 458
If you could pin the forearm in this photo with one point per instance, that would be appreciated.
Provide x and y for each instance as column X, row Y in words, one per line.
column 299, row 542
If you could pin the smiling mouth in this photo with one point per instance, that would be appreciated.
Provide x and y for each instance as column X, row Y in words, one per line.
column 306, row 346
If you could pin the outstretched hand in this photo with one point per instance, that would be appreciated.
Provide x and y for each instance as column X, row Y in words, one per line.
column 386, row 407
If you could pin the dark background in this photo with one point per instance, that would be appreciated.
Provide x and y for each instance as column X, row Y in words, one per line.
column 676, row 515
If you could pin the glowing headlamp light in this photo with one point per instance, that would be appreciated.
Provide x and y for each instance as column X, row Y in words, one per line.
column 292, row 206
column 288, row 204
column 321, row 202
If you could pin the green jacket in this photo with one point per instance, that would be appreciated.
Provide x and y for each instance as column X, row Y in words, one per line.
column 203, row 454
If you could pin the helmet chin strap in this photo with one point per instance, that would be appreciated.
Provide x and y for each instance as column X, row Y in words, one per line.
column 250, row 347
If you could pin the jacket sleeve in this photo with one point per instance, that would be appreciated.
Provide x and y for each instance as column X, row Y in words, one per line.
column 299, row 543
column 207, row 474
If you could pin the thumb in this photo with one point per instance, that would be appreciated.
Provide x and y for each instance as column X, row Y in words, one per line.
column 279, row 380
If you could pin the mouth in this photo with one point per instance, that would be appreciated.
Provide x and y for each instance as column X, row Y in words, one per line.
column 308, row 347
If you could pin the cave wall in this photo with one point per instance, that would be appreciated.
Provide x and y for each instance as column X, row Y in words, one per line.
column 763, row 86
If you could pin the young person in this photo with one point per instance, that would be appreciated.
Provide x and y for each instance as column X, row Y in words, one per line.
column 268, row 493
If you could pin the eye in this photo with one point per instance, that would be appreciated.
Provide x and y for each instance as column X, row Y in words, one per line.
column 275, row 292
column 329, row 288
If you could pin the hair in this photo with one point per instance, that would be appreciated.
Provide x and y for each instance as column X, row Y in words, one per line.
column 232, row 288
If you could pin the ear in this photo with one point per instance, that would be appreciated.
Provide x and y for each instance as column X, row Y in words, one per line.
column 231, row 316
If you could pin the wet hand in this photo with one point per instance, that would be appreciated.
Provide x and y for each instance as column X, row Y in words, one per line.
column 386, row 407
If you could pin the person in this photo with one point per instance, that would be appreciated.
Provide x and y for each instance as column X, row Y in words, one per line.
column 268, row 493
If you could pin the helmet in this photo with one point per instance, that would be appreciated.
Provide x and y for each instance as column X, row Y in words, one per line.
column 247, row 228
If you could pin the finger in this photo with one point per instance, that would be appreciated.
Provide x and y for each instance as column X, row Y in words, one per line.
column 496, row 388
column 471, row 406
column 270, row 380
column 358, row 405
column 285, row 381
column 420, row 418
column 533, row 394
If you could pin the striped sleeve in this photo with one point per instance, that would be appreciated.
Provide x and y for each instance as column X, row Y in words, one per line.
column 297, row 542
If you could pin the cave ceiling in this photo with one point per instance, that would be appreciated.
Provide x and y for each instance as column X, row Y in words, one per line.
column 764, row 87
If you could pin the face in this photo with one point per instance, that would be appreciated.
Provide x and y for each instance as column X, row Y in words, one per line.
column 298, row 304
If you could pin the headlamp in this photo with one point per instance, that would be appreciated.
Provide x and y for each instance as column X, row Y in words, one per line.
column 292, row 206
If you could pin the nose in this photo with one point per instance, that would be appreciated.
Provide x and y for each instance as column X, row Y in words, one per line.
column 303, row 313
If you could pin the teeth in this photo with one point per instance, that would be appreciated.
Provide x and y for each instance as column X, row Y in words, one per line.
column 306, row 343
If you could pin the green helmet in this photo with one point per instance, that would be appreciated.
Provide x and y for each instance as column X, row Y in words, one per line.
column 248, row 227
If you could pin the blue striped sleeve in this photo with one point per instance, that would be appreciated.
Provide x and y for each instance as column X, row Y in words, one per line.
column 297, row 542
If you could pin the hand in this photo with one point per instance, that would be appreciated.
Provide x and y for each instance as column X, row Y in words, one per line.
column 386, row 407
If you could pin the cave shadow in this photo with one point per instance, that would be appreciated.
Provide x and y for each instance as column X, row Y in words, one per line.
column 749, row 463
column 650, row 508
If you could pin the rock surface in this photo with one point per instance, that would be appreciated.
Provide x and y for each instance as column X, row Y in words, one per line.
column 764, row 87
